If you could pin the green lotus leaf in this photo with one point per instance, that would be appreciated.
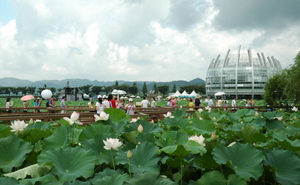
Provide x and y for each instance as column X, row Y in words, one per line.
column 77, row 182
column 33, row 171
column 69, row 163
column 34, row 135
column 118, row 128
column 250, row 135
column 172, row 138
column 8, row 181
column 175, row 122
column 92, row 130
column 47, row 179
column 4, row 131
column 57, row 140
column 259, row 121
column 149, row 179
column 285, row 166
column 239, row 126
column 240, row 113
column 13, row 152
column 211, row 178
column 114, row 179
column 97, row 145
column 147, row 127
column 177, row 150
column 178, row 113
column 234, row 179
column 146, row 137
column 117, row 115
column 200, row 127
column 39, row 125
column 145, row 158
column 249, row 119
column 269, row 115
column 244, row 159
column 130, row 136
column 274, row 125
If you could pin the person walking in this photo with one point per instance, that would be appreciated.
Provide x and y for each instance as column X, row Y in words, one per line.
column 63, row 104
column 211, row 102
column 145, row 103
column 130, row 107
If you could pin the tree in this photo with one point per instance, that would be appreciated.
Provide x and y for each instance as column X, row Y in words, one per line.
column 163, row 89
column 133, row 89
column 31, row 90
column 155, row 88
column 174, row 88
column 96, row 89
column 108, row 89
column 86, row 88
column 292, row 85
column 116, row 84
column 145, row 90
column 274, row 88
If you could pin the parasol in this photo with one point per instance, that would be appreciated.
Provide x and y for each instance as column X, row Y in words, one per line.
column 27, row 97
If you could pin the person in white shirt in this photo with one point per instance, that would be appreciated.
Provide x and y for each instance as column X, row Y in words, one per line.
column 233, row 103
column 105, row 102
column 145, row 103
column 153, row 103
column 211, row 102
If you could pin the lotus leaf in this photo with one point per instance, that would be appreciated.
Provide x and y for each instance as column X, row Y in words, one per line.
column 13, row 152
column 149, row 179
column 244, row 159
column 145, row 158
column 285, row 166
column 69, row 163
column 33, row 171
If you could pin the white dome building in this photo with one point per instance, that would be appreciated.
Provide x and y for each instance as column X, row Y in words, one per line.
column 242, row 74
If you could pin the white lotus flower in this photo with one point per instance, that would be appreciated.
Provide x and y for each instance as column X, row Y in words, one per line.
column 279, row 118
column 73, row 119
column 256, row 114
column 200, row 110
column 112, row 144
column 231, row 144
column 38, row 120
column 169, row 114
column 199, row 139
column 295, row 109
column 140, row 128
column 207, row 108
column 18, row 126
column 103, row 116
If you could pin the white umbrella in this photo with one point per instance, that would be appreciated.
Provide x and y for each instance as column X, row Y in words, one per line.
column 115, row 91
column 219, row 94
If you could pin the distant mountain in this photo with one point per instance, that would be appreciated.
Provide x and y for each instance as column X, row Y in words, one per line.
column 15, row 82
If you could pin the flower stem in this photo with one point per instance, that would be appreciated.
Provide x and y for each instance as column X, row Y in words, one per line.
column 112, row 159
column 129, row 170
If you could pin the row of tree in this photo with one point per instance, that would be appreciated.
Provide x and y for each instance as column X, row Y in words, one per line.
column 284, row 87
column 94, row 90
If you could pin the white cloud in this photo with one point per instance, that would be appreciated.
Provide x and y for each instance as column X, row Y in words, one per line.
column 147, row 40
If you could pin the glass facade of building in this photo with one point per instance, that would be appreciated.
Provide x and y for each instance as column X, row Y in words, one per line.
column 241, row 74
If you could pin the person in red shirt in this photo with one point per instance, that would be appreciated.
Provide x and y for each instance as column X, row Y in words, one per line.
column 112, row 101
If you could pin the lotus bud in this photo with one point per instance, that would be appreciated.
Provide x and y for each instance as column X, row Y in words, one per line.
column 213, row 136
column 30, row 121
column 214, row 118
column 180, row 106
column 152, row 121
column 140, row 128
column 256, row 114
column 129, row 154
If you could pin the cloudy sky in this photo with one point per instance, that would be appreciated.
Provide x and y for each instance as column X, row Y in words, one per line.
column 139, row 40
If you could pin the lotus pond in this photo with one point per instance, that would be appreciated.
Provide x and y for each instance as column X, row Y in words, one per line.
column 207, row 147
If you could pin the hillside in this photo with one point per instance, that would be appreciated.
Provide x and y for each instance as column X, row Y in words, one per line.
column 15, row 82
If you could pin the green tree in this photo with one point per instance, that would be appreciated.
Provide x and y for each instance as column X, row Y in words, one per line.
column 163, row 89
column 31, row 90
column 133, row 89
column 107, row 89
column 96, row 90
column 189, row 88
column 86, row 88
column 116, row 84
column 291, row 90
column 174, row 88
column 145, row 90
column 155, row 88
column 274, row 88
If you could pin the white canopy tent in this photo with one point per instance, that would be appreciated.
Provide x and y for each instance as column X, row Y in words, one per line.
column 219, row 93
